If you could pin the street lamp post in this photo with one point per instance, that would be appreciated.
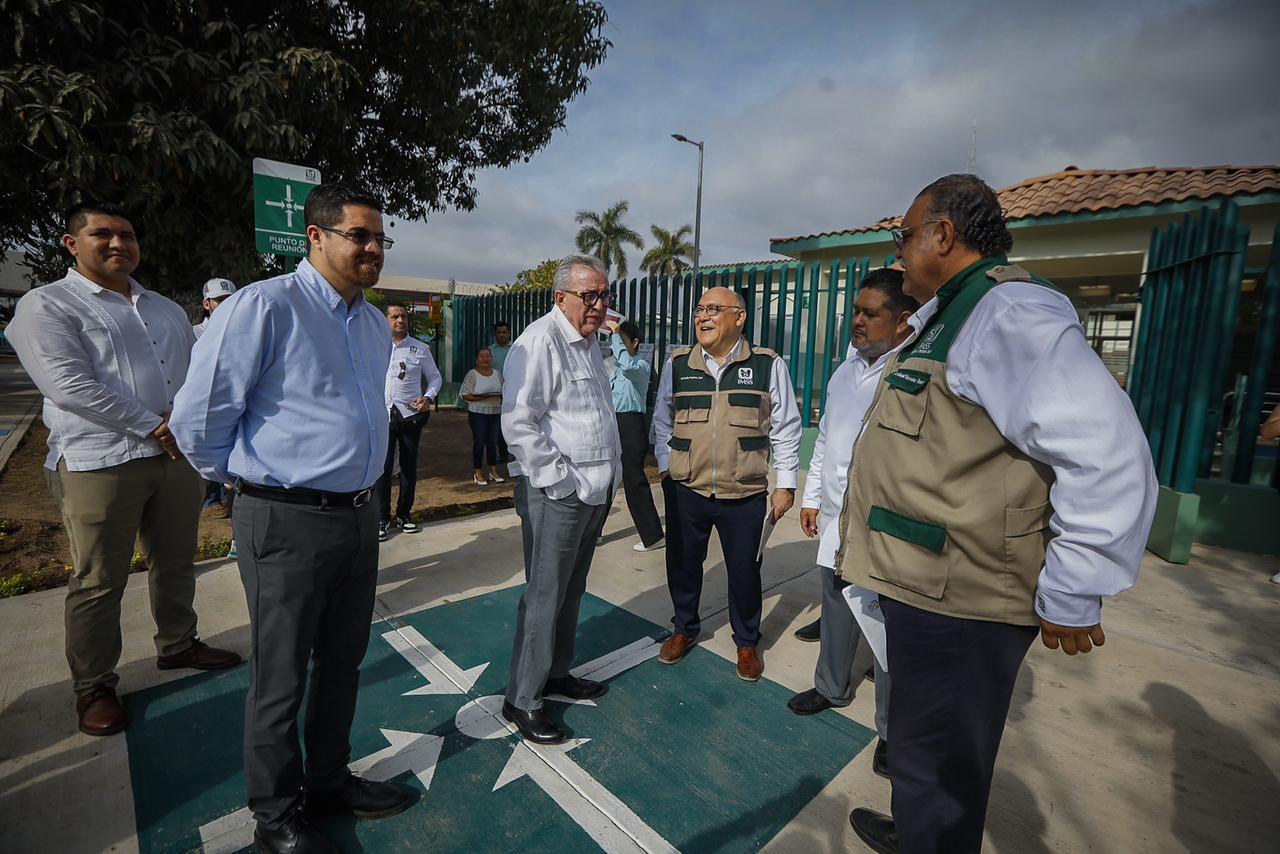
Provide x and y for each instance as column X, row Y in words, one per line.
column 697, row 221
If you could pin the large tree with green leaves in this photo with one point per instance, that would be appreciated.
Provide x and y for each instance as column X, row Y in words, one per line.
column 161, row 105
column 671, row 253
column 604, row 234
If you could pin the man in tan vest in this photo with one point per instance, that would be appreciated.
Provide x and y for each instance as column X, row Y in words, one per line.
column 1001, row 485
column 722, row 404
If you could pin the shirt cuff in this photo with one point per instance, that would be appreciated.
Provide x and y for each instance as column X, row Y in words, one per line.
column 144, row 427
column 563, row 489
column 786, row 479
column 1067, row 609
column 663, row 455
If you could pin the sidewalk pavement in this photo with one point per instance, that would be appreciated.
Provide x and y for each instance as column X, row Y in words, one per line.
column 19, row 405
column 1166, row 739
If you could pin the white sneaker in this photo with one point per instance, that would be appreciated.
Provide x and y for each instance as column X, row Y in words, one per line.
column 641, row 547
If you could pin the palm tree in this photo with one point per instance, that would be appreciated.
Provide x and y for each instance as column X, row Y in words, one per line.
column 603, row 234
column 672, row 252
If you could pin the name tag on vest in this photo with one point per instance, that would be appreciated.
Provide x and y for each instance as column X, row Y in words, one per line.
column 912, row 382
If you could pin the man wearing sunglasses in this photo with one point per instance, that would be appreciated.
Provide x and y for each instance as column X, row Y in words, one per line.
column 1002, row 485
column 557, row 415
column 285, row 399
column 722, row 404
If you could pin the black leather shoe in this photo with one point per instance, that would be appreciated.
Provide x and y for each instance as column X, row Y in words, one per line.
column 575, row 689
column 295, row 836
column 875, row 829
column 811, row 632
column 362, row 798
column 880, row 761
column 536, row 726
column 809, row 703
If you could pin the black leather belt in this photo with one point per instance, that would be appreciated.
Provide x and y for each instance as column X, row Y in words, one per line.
column 310, row 497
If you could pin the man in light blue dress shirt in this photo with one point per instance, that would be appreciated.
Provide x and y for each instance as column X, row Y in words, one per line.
column 285, row 399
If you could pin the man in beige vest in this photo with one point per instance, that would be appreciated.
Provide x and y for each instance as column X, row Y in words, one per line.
column 722, row 405
column 1001, row 485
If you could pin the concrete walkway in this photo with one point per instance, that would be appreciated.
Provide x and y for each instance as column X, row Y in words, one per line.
column 1167, row 739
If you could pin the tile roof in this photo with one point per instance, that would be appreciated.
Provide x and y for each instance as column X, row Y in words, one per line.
column 1075, row 190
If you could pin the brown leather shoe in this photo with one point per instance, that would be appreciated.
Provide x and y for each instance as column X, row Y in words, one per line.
column 199, row 656
column 749, row 664
column 100, row 712
column 676, row 648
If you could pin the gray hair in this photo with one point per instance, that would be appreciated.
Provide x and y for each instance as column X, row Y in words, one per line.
column 565, row 268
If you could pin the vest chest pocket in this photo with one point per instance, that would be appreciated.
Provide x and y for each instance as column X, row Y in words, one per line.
column 692, row 408
column 679, row 468
column 753, row 459
column 902, row 411
column 746, row 410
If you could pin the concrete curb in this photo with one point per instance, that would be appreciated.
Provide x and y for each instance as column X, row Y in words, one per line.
column 9, row 443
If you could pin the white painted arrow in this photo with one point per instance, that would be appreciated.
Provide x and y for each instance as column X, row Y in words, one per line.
column 607, row 820
column 414, row 752
column 442, row 675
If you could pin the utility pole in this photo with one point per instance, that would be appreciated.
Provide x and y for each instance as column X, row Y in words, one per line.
column 697, row 219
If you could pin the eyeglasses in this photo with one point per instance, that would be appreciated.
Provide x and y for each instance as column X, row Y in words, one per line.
column 902, row 235
column 590, row 298
column 711, row 309
column 360, row 237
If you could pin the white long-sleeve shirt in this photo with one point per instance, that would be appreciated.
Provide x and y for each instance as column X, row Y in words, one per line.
column 557, row 412
column 1023, row 357
column 785, row 428
column 849, row 394
column 411, row 363
column 108, row 367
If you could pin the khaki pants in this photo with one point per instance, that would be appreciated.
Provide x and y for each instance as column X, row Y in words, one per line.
column 156, row 500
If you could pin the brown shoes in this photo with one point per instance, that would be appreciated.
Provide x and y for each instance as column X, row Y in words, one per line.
column 676, row 648
column 199, row 656
column 100, row 712
column 750, row 667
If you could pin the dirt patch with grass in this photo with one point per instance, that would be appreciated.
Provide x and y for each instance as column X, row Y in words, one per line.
column 35, row 555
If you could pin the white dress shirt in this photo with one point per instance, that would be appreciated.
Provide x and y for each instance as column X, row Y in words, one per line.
column 785, row 428
column 108, row 367
column 557, row 412
column 849, row 395
column 413, row 359
column 1023, row 357
column 199, row 328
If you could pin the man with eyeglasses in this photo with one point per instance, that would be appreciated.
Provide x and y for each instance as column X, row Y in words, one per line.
column 722, row 404
column 286, row 400
column 557, row 414
column 413, row 382
column 1002, row 485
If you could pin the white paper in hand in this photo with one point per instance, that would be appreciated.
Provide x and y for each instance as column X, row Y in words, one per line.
column 766, row 533
column 866, row 610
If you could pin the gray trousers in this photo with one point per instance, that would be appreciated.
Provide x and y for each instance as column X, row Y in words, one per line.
column 559, row 541
column 309, row 576
column 833, row 677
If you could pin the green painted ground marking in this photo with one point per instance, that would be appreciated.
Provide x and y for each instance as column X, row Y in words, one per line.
column 705, row 760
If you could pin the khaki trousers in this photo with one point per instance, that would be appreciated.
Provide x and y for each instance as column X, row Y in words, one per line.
column 155, row 500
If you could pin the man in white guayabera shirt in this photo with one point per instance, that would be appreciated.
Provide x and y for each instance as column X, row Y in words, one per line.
column 557, row 415
column 109, row 355
column 882, row 322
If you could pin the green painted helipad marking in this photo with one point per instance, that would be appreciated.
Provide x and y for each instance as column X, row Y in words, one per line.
column 707, row 761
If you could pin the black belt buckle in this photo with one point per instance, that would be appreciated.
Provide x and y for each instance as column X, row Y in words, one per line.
column 362, row 497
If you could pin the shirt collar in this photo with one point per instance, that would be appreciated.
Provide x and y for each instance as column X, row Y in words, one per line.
column 728, row 357
column 564, row 327
column 320, row 287
column 136, row 291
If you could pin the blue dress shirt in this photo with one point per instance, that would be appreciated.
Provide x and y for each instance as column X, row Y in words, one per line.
column 630, row 380
column 286, row 388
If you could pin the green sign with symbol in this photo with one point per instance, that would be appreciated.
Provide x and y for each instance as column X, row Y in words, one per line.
column 279, row 192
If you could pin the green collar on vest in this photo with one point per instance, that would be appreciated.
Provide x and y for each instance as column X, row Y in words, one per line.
column 956, row 300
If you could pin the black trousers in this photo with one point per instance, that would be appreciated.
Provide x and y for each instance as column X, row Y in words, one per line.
column 485, row 430
column 635, row 445
column 949, row 694
column 406, row 434
column 309, row 577
column 739, row 522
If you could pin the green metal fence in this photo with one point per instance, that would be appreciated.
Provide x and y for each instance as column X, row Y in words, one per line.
column 796, row 309
column 1190, row 303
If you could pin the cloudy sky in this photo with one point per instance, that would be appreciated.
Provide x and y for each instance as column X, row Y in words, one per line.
column 825, row 115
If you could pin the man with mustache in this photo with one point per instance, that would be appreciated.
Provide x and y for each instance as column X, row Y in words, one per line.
column 1000, row 487
column 557, row 415
column 721, row 405
column 881, row 324
column 109, row 355
column 285, row 399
